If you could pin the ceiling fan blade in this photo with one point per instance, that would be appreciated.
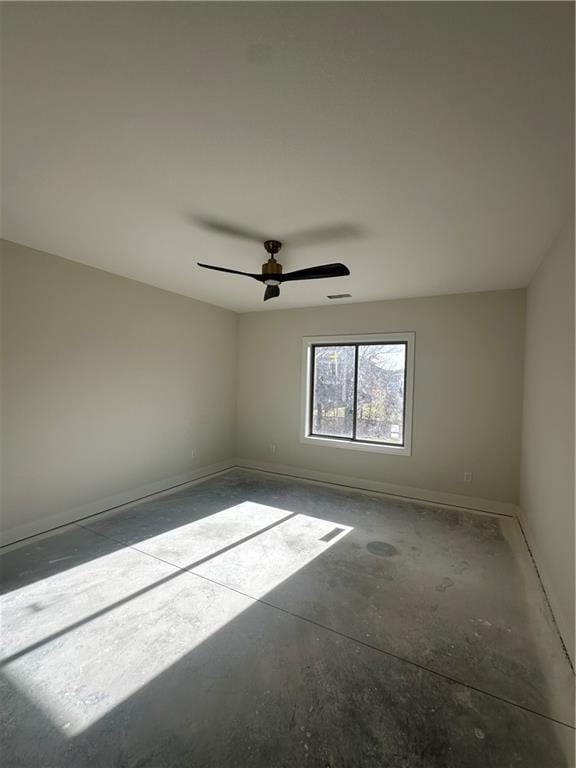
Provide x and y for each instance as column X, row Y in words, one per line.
column 327, row 234
column 232, row 271
column 229, row 229
column 271, row 292
column 314, row 273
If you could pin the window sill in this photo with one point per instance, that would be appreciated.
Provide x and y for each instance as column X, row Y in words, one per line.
column 351, row 445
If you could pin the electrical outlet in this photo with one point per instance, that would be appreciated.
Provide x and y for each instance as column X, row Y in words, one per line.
column 467, row 477
column 272, row 448
column 193, row 453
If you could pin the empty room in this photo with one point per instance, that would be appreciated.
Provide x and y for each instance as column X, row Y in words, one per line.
column 287, row 385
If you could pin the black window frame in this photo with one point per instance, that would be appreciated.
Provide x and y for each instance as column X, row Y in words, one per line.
column 355, row 344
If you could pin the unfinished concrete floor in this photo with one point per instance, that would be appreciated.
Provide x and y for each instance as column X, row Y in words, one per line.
column 252, row 620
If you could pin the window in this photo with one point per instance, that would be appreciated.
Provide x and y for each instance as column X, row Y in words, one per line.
column 357, row 392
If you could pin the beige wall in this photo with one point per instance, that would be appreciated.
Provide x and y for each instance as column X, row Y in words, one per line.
column 108, row 386
column 467, row 391
column 547, row 478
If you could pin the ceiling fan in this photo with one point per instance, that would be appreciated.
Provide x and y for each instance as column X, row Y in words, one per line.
column 272, row 275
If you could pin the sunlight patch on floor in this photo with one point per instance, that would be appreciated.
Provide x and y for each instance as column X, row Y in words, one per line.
column 87, row 638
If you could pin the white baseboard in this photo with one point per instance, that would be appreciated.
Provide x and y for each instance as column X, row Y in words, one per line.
column 37, row 527
column 562, row 621
column 405, row 491
column 70, row 516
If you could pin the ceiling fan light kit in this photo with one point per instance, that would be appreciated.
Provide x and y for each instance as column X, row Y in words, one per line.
column 272, row 275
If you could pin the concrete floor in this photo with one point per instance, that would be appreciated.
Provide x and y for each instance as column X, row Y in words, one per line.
column 250, row 620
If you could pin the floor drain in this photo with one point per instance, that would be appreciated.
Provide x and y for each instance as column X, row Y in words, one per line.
column 381, row 548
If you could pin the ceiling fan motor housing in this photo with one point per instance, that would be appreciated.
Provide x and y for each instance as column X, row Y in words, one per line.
column 272, row 267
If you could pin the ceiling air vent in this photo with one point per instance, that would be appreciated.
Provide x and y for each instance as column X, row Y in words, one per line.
column 340, row 296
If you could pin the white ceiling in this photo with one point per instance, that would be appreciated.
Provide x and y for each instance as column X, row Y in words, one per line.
column 442, row 131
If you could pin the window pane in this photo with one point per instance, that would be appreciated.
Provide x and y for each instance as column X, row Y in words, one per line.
column 380, row 413
column 333, row 391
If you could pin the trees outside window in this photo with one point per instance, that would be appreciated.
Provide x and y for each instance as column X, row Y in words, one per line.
column 358, row 393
